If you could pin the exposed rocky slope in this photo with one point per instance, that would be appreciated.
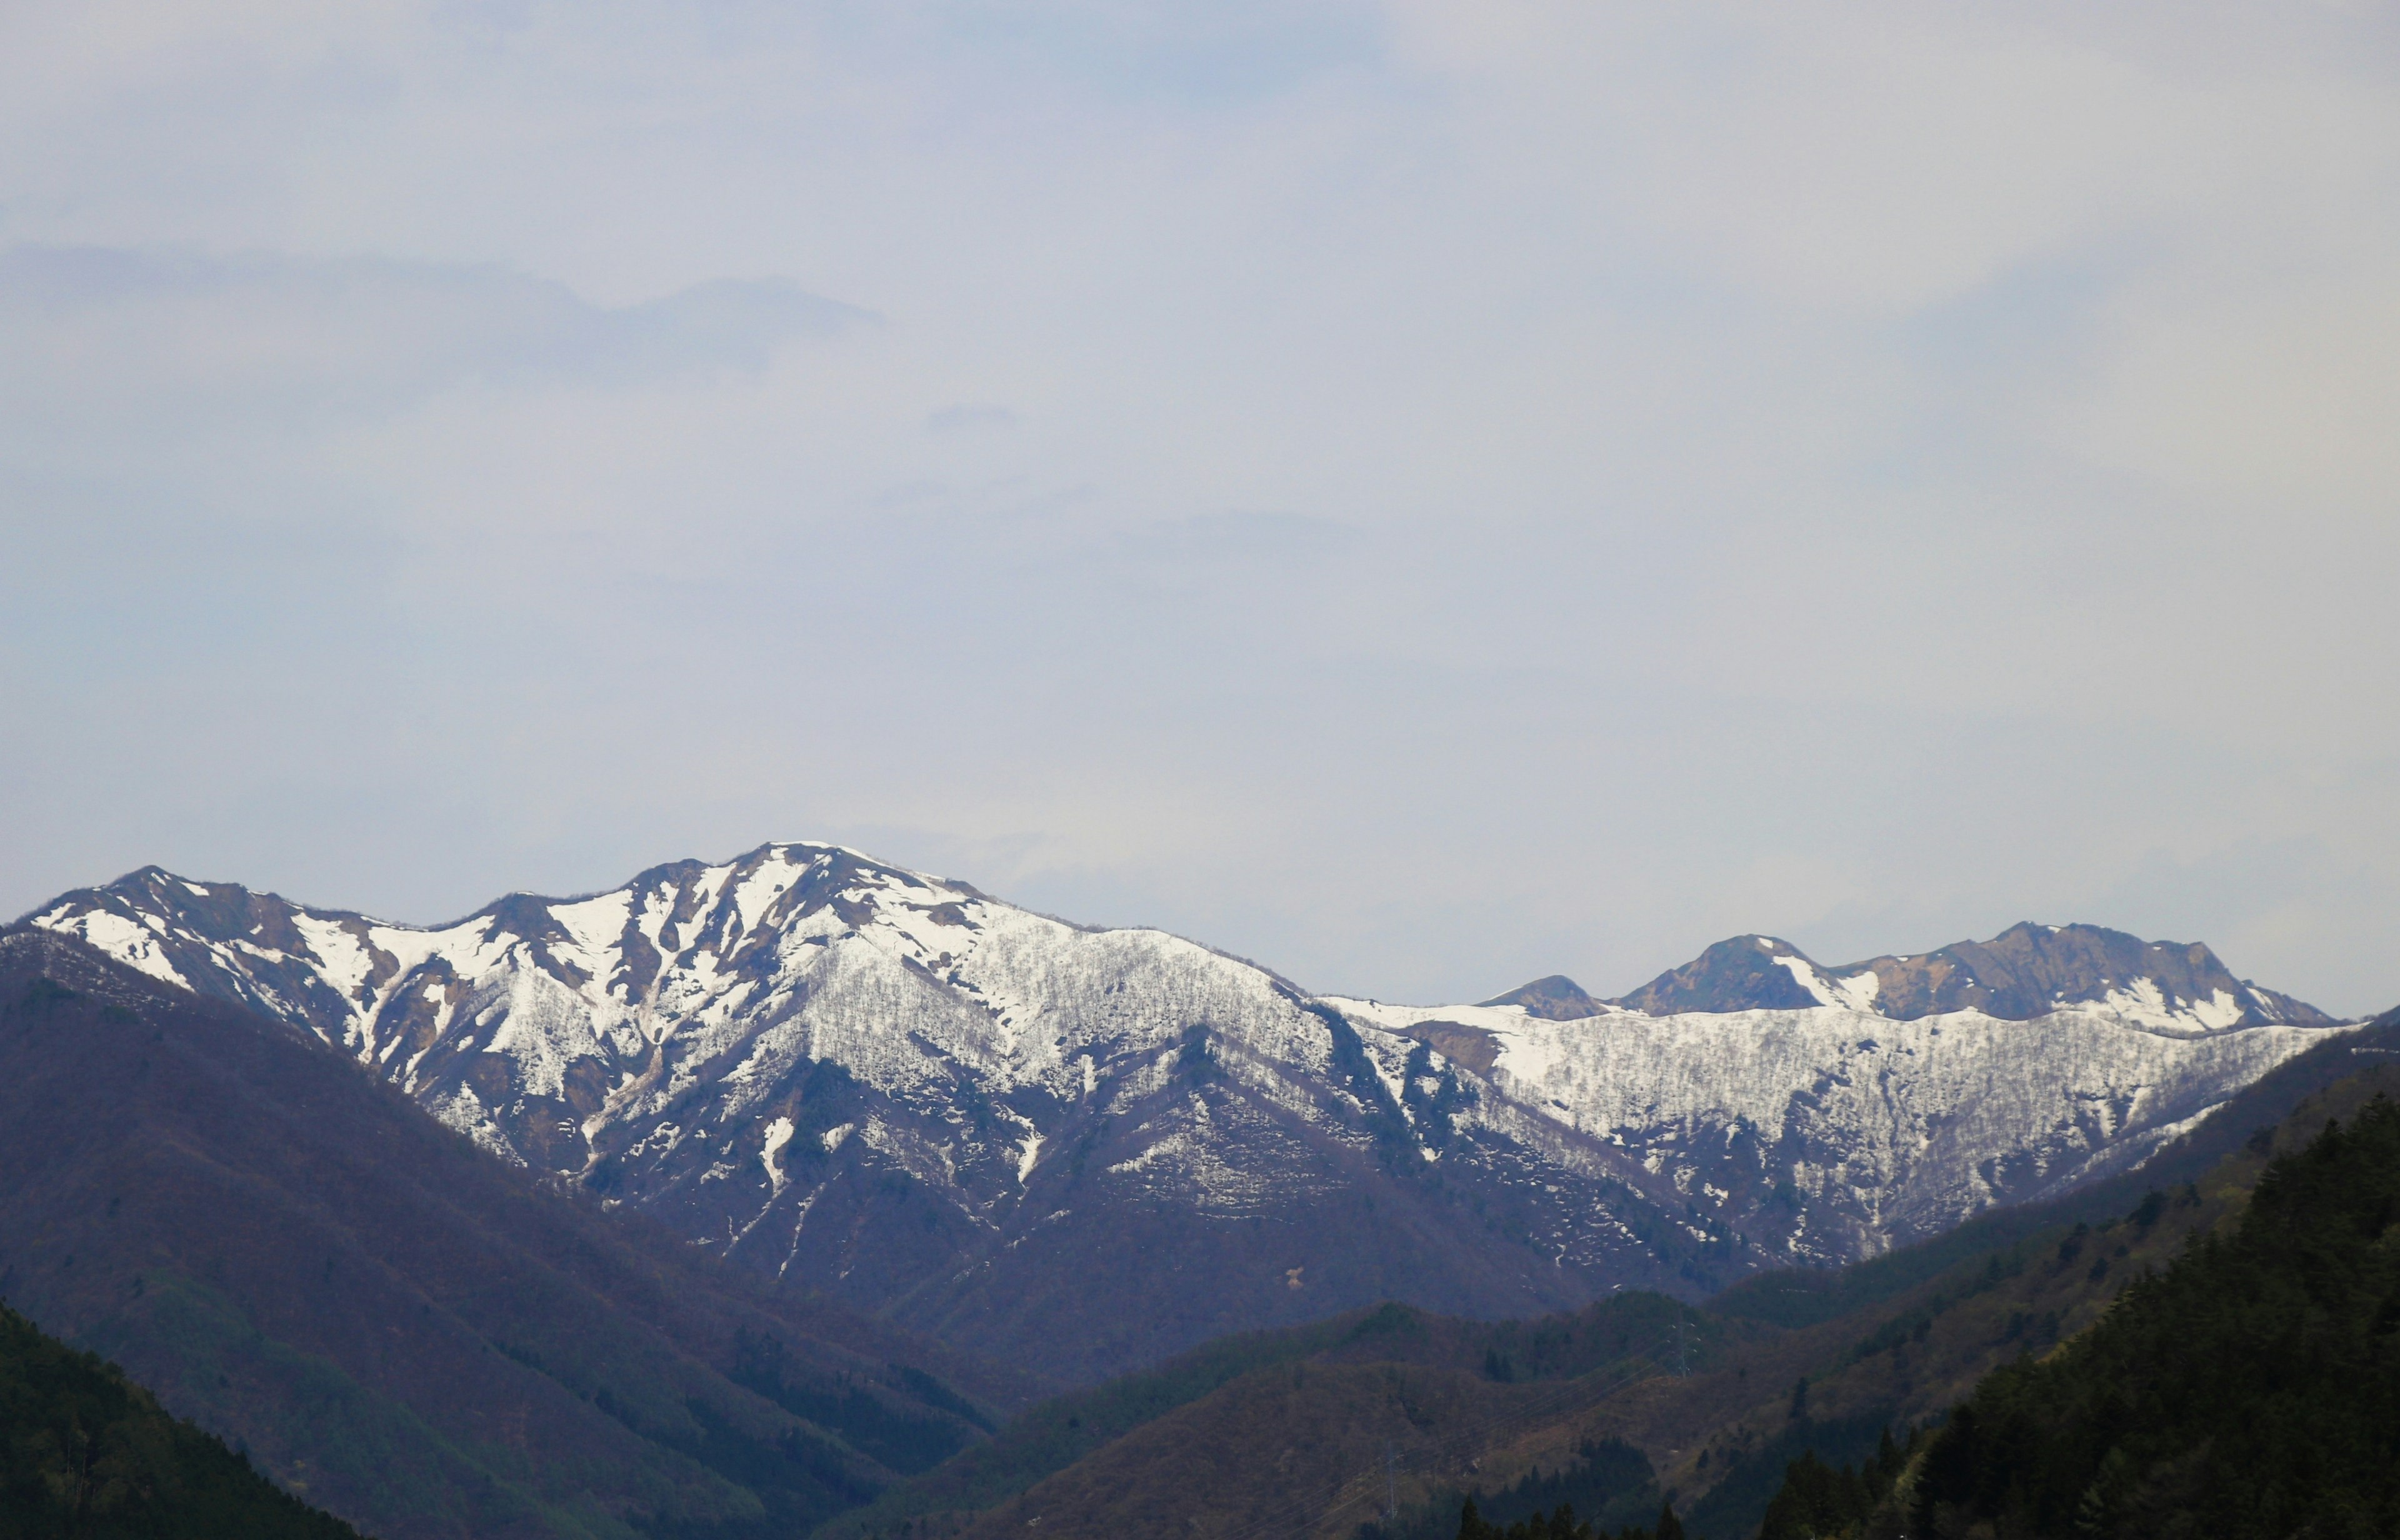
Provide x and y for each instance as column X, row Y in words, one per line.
column 1087, row 1149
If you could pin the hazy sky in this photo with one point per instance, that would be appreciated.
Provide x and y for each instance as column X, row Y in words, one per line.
column 1419, row 495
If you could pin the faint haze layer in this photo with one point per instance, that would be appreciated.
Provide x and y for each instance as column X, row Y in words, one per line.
column 1422, row 495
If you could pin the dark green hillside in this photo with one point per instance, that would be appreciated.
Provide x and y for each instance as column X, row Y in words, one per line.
column 1128, row 1437
column 2253, row 1389
column 86, row 1453
column 1936, row 1343
column 1563, row 1524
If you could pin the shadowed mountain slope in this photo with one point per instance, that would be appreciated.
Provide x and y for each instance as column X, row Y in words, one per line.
column 398, row 1327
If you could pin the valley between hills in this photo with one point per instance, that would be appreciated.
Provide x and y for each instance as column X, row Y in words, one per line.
column 802, row 1193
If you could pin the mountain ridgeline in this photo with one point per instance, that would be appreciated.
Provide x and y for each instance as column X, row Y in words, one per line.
column 2024, row 972
column 1083, row 1151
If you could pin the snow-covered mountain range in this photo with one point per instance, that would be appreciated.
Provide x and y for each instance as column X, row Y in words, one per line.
column 1088, row 1148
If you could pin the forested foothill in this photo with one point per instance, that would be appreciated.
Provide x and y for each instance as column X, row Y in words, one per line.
column 2250, row 1389
column 86, row 1455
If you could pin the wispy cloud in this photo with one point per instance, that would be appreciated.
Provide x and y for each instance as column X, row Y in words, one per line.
column 966, row 417
column 172, row 333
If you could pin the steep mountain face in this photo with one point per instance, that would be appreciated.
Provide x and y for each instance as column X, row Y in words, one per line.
column 1087, row 1149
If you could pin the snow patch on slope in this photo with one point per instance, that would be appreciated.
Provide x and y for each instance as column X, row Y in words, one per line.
column 779, row 1134
column 120, row 938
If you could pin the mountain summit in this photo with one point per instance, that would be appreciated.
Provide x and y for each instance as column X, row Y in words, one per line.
column 2024, row 972
column 1086, row 1148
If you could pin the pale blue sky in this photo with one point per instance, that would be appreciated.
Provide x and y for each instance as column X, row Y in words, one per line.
column 1423, row 496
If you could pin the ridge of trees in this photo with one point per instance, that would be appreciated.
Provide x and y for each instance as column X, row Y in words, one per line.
column 88, row 1454
column 1559, row 1523
column 2252, row 1389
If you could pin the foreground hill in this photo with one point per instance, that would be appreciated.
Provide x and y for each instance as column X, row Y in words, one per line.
column 398, row 1327
column 2251, row 1389
column 85, row 1454
column 1618, row 1408
column 1084, row 1151
column 1306, row 1430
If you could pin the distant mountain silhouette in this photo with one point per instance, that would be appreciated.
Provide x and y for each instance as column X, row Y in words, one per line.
column 2024, row 972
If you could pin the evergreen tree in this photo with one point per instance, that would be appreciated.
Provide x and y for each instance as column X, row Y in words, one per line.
column 1560, row 1523
column 88, row 1454
column 2250, row 1391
